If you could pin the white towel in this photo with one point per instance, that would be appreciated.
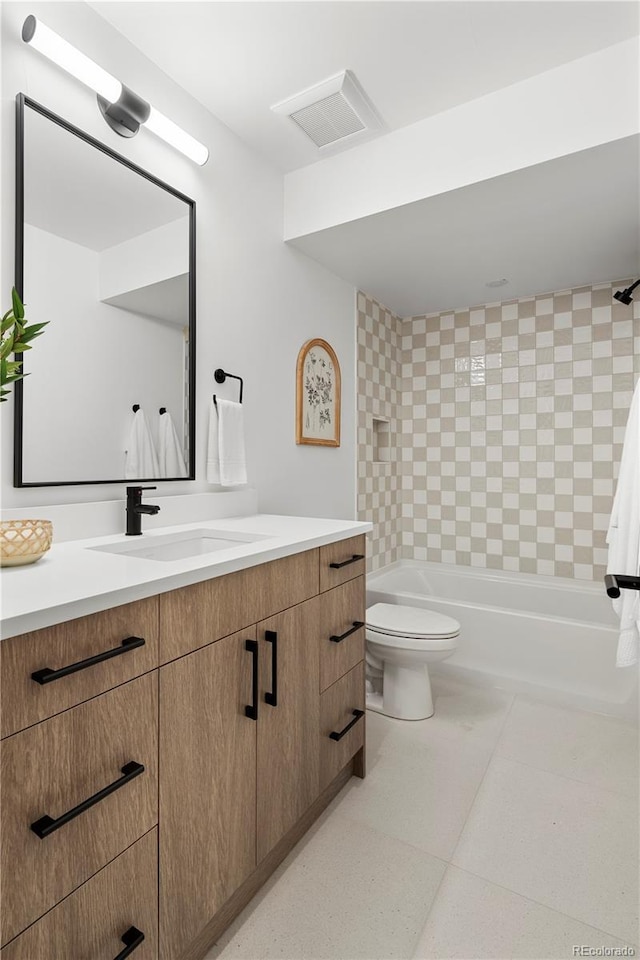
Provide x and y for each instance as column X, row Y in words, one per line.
column 141, row 461
column 624, row 537
column 169, row 452
column 226, row 463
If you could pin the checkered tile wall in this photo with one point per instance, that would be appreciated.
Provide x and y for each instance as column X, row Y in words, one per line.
column 380, row 399
column 508, row 431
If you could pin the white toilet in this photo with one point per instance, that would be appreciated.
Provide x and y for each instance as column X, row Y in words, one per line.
column 401, row 642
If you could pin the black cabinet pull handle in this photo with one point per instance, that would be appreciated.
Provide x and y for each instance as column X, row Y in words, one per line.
column 251, row 710
column 132, row 938
column 272, row 696
column 345, row 563
column 46, row 675
column 356, row 716
column 343, row 636
column 46, row 825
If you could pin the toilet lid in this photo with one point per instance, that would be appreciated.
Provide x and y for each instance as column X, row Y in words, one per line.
column 400, row 621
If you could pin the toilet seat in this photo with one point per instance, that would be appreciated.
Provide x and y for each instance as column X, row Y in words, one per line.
column 410, row 627
column 402, row 643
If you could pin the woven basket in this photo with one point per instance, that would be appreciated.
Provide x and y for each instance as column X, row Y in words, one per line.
column 24, row 541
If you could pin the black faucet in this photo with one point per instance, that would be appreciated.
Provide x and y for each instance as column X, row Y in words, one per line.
column 135, row 509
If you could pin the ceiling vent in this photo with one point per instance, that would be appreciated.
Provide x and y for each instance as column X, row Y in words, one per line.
column 333, row 111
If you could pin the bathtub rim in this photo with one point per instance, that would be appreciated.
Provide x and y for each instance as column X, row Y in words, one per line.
column 487, row 573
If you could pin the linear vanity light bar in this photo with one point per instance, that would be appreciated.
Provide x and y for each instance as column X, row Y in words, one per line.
column 174, row 135
column 122, row 109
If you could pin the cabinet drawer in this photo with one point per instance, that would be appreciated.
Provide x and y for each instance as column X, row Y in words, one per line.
column 89, row 924
column 197, row 615
column 337, row 706
column 337, row 563
column 50, row 770
column 341, row 641
column 25, row 701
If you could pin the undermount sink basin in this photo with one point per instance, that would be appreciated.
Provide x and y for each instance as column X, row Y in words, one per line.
column 179, row 546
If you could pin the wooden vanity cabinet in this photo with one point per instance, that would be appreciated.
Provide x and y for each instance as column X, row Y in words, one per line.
column 207, row 611
column 239, row 763
column 115, row 908
column 230, row 706
column 207, row 785
column 48, row 671
column 51, row 769
column 342, row 627
column 342, row 712
column 289, row 711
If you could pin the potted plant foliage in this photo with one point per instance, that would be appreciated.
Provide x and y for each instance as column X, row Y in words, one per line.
column 16, row 338
column 21, row 541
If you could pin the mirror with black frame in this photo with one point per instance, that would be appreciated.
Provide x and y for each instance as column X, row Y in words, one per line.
column 105, row 252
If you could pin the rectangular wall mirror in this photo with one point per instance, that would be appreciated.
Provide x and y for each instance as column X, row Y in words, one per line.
column 106, row 253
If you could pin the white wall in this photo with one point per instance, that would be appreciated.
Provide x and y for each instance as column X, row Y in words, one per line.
column 148, row 258
column 257, row 300
column 573, row 107
column 90, row 439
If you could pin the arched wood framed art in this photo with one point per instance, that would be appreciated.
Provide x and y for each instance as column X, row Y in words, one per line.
column 318, row 395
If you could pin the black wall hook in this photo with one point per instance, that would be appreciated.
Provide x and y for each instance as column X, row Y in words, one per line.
column 135, row 407
column 162, row 410
column 221, row 375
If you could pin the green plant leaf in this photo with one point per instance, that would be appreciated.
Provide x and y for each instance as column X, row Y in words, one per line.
column 18, row 307
column 7, row 346
column 33, row 329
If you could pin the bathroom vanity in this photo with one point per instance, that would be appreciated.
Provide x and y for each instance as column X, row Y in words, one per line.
column 162, row 753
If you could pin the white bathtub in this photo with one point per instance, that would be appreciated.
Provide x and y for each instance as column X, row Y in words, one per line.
column 541, row 635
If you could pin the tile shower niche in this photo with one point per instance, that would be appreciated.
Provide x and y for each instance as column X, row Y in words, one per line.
column 381, row 441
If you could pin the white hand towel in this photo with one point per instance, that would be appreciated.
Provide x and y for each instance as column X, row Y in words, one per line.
column 169, row 452
column 624, row 537
column 213, row 447
column 141, row 462
column 226, row 463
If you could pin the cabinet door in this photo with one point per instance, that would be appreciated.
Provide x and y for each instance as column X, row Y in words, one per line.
column 342, row 633
column 73, row 797
column 117, row 906
column 81, row 643
column 342, row 561
column 342, row 723
column 203, row 612
column 207, row 786
column 288, row 761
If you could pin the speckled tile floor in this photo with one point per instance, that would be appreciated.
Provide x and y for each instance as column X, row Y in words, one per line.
column 503, row 827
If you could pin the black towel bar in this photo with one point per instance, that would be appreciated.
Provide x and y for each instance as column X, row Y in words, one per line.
column 614, row 583
column 221, row 375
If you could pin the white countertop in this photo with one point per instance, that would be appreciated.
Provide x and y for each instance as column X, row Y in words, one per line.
column 71, row 580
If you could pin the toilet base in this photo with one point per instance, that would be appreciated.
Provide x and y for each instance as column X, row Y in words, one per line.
column 406, row 693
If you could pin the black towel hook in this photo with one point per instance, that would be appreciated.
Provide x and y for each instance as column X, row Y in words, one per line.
column 135, row 407
column 221, row 375
column 162, row 410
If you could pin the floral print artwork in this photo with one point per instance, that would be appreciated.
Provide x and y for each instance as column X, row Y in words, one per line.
column 318, row 388
column 319, row 392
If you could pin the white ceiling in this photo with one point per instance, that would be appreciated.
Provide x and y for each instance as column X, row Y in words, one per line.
column 414, row 59
column 560, row 224
column 75, row 191
column 166, row 300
